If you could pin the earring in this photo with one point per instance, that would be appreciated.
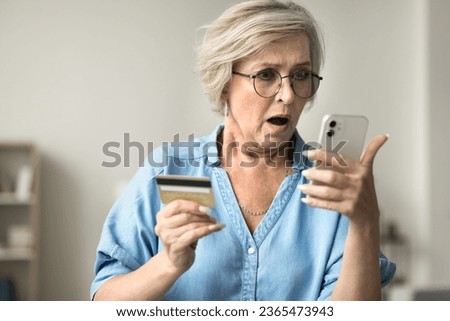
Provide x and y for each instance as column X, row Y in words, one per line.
column 226, row 110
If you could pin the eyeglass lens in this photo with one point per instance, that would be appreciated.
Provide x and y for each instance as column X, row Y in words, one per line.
column 268, row 83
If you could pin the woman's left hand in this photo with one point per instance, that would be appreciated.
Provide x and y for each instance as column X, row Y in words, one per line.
column 344, row 185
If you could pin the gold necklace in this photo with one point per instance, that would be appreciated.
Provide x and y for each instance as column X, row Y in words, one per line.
column 245, row 210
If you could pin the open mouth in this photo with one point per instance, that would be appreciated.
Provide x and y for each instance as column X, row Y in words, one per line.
column 278, row 121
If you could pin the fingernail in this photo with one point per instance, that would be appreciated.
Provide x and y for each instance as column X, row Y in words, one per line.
column 216, row 227
column 302, row 187
column 388, row 135
column 309, row 153
column 306, row 173
column 305, row 200
column 205, row 210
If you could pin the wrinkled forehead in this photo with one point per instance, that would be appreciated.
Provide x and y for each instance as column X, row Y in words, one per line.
column 286, row 52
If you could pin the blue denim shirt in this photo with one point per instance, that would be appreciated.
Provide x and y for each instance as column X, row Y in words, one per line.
column 294, row 254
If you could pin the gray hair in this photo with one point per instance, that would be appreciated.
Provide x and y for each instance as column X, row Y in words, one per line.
column 245, row 30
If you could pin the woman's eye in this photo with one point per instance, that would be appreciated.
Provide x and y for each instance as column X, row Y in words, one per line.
column 266, row 75
column 301, row 74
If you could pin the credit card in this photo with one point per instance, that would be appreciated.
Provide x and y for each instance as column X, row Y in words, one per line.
column 197, row 189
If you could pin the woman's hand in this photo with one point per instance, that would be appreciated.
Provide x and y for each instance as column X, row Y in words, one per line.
column 180, row 225
column 344, row 185
column 347, row 186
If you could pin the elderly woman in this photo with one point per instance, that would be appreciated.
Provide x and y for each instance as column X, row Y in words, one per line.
column 270, row 235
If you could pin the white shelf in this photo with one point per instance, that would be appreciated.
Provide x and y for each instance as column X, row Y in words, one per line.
column 16, row 254
column 12, row 199
column 20, row 168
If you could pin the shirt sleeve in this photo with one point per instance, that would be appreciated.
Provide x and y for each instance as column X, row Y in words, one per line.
column 335, row 260
column 387, row 267
column 387, row 270
column 128, row 239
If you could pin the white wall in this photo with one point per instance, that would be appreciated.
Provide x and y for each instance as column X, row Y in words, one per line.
column 77, row 74
column 439, row 156
column 377, row 66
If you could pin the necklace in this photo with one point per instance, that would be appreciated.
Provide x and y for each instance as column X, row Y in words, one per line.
column 244, row 209
column 259, row 213
column 247, row 211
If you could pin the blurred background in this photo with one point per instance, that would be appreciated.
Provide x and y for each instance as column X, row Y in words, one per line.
column 75, row 75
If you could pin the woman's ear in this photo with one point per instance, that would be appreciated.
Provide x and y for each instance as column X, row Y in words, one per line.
column 224, row 96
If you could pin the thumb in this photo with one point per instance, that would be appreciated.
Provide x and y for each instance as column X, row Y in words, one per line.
column 368, row 155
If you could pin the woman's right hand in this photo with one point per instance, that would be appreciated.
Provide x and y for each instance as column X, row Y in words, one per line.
column 180, row 225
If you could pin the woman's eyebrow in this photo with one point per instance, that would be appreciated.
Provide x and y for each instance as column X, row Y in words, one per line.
column 304, row 64
column 263, row 65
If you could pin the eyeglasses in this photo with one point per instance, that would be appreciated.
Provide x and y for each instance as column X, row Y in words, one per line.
column 268, row 82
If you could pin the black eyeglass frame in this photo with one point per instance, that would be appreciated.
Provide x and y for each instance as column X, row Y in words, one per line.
column 291, row 77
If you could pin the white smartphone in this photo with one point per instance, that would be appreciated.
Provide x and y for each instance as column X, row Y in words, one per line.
column 343, row 134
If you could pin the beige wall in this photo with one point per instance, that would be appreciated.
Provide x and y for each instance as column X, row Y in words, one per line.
column 439, row 153
column 77, row 74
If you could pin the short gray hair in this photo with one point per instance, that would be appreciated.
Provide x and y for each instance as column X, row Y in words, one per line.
column 246, row 29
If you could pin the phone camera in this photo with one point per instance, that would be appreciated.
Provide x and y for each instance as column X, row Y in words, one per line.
column 330, row 133
column 332, row 123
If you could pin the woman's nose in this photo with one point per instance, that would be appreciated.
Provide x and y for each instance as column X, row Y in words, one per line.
column 286, row 93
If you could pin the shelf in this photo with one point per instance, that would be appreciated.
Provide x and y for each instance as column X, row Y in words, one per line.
column 11, row 199
column 16, row 254
column 20, row 171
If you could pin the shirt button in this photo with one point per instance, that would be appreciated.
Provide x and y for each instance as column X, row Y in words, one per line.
column 251, row 250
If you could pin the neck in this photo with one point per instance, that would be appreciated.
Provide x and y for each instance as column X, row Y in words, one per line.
column 236, row 150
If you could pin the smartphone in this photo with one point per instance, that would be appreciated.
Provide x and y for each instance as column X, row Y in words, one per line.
column 198, row 189
column 343, row 134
